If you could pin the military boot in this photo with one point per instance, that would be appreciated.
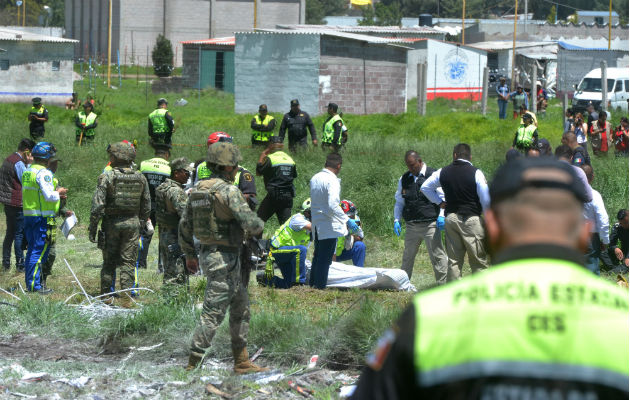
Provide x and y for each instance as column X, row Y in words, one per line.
column 43, row 283
column 242, row 365
column 193, row 362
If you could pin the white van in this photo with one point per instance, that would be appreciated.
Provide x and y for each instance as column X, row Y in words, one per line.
column 590, row 90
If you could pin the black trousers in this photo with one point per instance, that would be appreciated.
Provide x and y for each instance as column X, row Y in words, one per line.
column 281, row 206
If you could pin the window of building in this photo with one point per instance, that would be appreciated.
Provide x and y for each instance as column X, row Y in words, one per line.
column 599, row 20
column 56, row 65
column 4, row 65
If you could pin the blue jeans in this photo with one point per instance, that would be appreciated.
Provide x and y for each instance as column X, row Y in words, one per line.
column 291, row 260
column 322, row 257
column 593, row 254
column 502, row 108
column 356, row 254
column 35, row 229
column 14, row 217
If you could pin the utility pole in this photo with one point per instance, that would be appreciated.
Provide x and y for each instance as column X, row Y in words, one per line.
column 525, row 24
column 464, row 22
column 24, row 13
column 109, row 45
column 514, row 44
column 609, row 22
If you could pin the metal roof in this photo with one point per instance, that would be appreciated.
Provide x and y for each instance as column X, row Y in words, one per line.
column 617, row 45
column 365, row 29
column 596, row 13
column 14, row 35
column 328, row 32
column 223, row 41
column 414, row 40
column 507, row 44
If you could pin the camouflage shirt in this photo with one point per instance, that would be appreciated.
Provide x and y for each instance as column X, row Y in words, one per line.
column 106, row 191
column 170, row 202
column 214, row 210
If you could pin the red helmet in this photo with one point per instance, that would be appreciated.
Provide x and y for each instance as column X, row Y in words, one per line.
column 218, row 137
column 348, row 207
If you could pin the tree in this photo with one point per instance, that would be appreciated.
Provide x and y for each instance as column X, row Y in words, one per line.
column 551, row 18
column 162, row 56
column 381, row 14
column 316, row 10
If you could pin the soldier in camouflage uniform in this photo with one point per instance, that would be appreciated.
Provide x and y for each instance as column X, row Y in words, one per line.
column 123, row 202
column 218, row 215
column 170, row 202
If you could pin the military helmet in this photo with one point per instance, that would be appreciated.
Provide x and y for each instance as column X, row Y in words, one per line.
column 306, row 206
column 180, row 163
column 223, row 154
column 44, row 150
column 122, row 151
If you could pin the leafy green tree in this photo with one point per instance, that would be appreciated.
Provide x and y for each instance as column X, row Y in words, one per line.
column 551, row 18
column 316, row 10
column 162, row 56
column 382, row 14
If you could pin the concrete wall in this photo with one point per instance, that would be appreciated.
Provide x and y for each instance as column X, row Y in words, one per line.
column 275, row 68
column 414, row 57
column 539, row 32
column 454, row 72
column 362, row 78
column 56, row 31
column 30, row 72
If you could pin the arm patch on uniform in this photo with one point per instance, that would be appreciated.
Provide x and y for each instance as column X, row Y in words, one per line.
column 377, row 357
column 247, row 176
column 47, row 178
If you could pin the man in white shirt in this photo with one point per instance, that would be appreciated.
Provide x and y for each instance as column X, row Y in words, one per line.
column 595, row 212
column 328, row 219
column 464, row 199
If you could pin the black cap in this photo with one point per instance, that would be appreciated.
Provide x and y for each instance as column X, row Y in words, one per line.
column 333, row 106
column 295, row 102
column 262, row 107
column 512, row 154
column 276, row 139
column 37, row 100
column 513, row 176
column 622, row 214
column 544, row 146
column 162, row 101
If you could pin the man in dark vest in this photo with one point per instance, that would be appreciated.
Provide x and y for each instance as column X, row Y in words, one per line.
column 464, row 198
column 296, row 122
column 420, row 217
column 11, row 197
column 278, row 171
column 531, row 327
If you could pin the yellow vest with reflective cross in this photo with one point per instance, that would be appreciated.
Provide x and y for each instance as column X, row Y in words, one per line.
column 262, row 136
column 86, row 120
column 525, row 136
column 541, row 319
column 329, row 130
column 158, row 120
column 33, row 202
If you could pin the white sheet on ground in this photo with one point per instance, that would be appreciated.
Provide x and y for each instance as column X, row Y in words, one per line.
column 348, row 276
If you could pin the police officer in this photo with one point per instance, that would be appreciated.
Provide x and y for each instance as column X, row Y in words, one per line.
column 161, row 124
column 156, row 170
column 86, row 121
column 529, row 328
column 37, row 117
column 526, row 136
column 217, row 214
column 170, row 201
column 420, row 216
column 289, row 245
column 39, row 202
column 296, row 122
column 262, row 125
column 278, row 171
column 334, row 135
column 123, row 202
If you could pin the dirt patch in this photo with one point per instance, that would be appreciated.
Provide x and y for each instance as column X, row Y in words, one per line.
column 54, row 349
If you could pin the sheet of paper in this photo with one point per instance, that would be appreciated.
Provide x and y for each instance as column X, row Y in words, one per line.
column 68, row 224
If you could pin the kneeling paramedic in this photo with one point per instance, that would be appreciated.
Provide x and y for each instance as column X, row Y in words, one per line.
column 351, row 246
column 519, row 330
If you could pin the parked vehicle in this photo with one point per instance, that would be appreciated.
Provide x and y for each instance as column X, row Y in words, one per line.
column 590, row 90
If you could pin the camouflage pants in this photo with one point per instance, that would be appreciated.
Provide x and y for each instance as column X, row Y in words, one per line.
column 121, row 250
column 173, row 272
column 223, row 290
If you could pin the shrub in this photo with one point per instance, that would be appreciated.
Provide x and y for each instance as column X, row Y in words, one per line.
column 162, row 56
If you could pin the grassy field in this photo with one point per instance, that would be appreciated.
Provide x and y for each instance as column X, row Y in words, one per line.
column 291, row 325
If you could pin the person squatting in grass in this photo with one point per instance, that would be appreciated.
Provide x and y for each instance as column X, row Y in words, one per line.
column 351, row 246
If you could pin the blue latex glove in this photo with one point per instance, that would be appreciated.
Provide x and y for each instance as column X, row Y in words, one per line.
column 397, row 228
column 354, row 228
column 440, row 223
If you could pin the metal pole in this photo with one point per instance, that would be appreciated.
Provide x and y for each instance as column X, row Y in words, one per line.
column 422, row 89
column 82, row 78
column 146, row 79
column 514, row 44
column 534, row 76
column 255, row 14
column 565, row 103
column 484, row 93
column 603, row 65
column 464, row 22
column 609, row 22
column 525, row 23
column 90, row 72
column 119, row 76
column 109, row 46
column 24, row 13
column 199, row 75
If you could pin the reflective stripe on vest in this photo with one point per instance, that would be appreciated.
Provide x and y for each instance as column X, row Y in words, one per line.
column 280, row 158
column 286, row 236
column 329, row 130
column 262, row 136
column 525, row 135
column 155, row 165
column 58, row 204
column 158, row 120
column 237, row 178
column 86, row 120
column 33, row 202
column 532, row 319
